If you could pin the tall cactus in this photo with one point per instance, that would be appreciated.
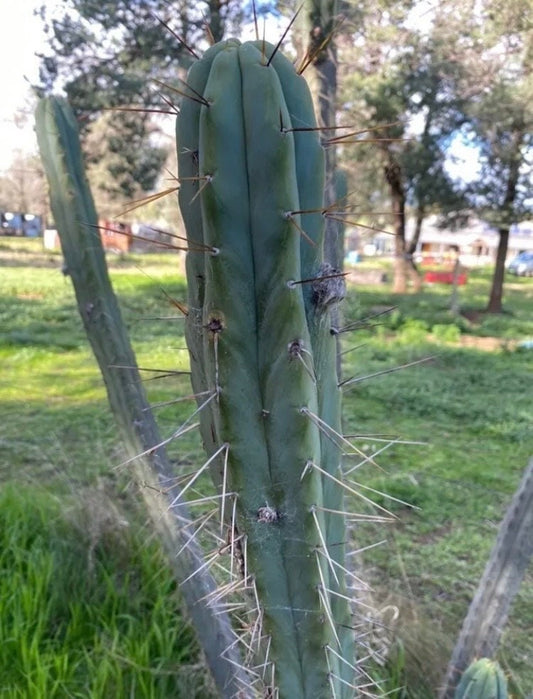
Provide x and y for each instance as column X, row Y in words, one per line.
column 77, row 223
column 262, row 352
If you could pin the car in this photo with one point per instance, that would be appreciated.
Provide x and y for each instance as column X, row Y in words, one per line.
column 522, row 265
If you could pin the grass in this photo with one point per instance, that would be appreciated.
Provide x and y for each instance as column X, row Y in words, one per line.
column 89, row 608
column 471, row 403
column 93, row 607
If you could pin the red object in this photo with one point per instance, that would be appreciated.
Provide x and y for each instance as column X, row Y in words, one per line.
column 115, row 236
column 444, row 278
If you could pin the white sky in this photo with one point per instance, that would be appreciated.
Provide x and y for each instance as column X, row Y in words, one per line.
column 22, row 37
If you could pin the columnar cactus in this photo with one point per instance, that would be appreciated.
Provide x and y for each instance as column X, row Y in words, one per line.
column 483, row 679
column 77, row 224
column 262, row 352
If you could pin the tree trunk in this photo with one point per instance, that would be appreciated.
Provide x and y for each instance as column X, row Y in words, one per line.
column 393, row 175
column 501, row 580
column 399, row 285
column 414, row 273
column 496, row 291
column 412, row 270
column 419, row 220
column 454, row 301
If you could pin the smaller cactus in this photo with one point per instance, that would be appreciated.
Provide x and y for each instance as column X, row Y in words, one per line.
column 483, row 679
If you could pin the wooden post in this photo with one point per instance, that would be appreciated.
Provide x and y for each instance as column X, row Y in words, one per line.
column 454, row 302
column 497, row 589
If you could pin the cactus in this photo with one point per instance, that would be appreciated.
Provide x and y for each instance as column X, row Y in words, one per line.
column 77, row 223
column 507, row 565
column 483, row 679
column 262, row 354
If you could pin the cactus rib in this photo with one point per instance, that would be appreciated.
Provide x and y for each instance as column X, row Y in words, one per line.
column 263, row 345
column 483, row 679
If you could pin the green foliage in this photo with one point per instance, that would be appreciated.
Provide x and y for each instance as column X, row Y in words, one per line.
column 133, row 48
column 499, row 121
column 413, row 332
column 123, row 159
column 446, row 333
column 390, row 89
column 389, row 676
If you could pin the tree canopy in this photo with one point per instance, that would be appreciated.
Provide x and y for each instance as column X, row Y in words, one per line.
column 419, row 78
column 422, row 83
column 106, row 54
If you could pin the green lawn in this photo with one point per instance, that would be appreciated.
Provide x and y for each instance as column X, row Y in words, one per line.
column 472, row 404
column 469, row 404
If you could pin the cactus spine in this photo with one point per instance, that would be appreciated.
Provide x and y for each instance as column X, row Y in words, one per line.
column 77, row 223
column 483, row 679
column 263, row 352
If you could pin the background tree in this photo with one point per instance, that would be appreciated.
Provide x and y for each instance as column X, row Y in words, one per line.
column 498, row 57
column 23, row 186
column 371, row 99
column 400, row 85
column 502, row 128
column 432, row 100
column 116, row 53
column 124, row 156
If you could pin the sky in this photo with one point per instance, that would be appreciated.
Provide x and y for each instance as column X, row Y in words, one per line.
column 22, row 37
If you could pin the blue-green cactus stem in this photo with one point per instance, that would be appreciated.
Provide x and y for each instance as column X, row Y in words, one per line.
column 483, row 679
column 318, row 296
column 261, row 343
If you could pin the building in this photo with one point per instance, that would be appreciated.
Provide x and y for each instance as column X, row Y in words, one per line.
column 477, row 242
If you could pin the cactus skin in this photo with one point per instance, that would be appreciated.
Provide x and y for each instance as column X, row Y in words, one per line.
column 263, row 347
column 75, row 216
column 483, row 679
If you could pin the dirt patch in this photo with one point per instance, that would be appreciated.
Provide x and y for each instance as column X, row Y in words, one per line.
column 435, row 535
column 367, row 276
column 487, row 344
column 31, row 297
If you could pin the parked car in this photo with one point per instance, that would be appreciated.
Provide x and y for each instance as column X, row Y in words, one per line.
column 522, row 265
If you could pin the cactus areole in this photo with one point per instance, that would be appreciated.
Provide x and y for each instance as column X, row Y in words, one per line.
column 262, row 354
